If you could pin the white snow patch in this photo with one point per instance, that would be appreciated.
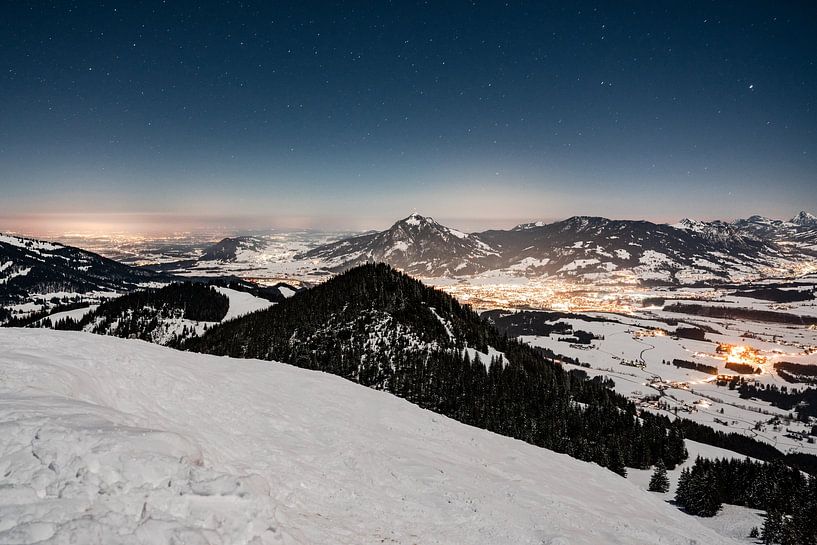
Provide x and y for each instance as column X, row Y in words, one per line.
column 485, row 358
column 29, row 244
column 529, row 262
column 242, row 303
column 578, row 264
column 286, row 292
column 443, row 321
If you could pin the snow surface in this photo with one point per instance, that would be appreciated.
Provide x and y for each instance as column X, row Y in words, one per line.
column 106, row 440
column 286, row 292
column 732, row 520
column 242, row 303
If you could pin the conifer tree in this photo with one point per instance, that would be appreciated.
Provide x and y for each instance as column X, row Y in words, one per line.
column 616, row 461
column 682, row 492
column 772, row 527
column 659, row 481
column 705, row 501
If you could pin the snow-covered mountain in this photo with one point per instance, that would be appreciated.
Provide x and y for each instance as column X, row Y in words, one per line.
column 715, row 231
column 804, row 219
column 797, row 236
column 107, row 440
column 29, row 266
column 416, row 244
column 591, row 249
column 599, row 249
column 229, row 248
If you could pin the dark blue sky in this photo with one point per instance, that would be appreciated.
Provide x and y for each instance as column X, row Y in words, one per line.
column 353, row 114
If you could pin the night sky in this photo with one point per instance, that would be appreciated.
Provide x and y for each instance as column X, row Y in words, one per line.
column 354, row 114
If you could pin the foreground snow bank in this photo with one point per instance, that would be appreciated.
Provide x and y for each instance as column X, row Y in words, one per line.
column 105, row 440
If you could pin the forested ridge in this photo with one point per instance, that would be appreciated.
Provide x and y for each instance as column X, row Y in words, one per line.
column 381, row 328
column 146, row 314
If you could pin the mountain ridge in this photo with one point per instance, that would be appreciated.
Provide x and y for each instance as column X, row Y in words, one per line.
column 586, row 248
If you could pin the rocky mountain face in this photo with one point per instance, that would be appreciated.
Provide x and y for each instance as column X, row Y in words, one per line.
column 590, row 249
column 804, row 219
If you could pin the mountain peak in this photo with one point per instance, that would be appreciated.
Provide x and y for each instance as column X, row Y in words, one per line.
column 757, row 218
column 415, row 244
column 690, row 225
column 580, row 223
column 527, row 226
column 415, row 220
column 423, row 226
column 804, row 218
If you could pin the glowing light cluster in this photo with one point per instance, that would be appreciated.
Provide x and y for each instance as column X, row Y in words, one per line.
column 657, row 332
column 746, row 355
column 548, row 294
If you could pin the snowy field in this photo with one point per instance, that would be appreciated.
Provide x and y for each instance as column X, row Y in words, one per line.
column 632, row 349
column 107, row 441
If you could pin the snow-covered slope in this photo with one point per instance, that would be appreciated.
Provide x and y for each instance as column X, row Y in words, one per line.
column 804, row 219
column 228, row 248
column 242, row 303
column 106, row 440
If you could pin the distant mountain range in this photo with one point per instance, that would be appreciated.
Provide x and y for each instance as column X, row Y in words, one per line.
column 587, row 249
column 579, row 249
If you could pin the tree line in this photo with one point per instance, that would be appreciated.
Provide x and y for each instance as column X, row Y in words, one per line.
column 788, row 496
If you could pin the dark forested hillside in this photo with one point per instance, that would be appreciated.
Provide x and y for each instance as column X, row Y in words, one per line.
column 37, row 267
column 383, row 329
